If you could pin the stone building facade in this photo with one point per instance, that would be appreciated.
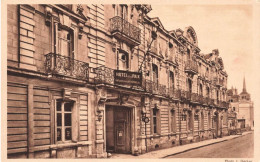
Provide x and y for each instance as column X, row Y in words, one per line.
column 85, row 80
column 242, row 106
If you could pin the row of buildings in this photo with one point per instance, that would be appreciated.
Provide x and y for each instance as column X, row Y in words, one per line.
column 85, row 80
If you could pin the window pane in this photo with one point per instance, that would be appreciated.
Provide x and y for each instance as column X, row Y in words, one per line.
column 67, row 119
column 68, row 134
column 154, row 120
column 58, row 119
column 58, row 106
column 58, row 134
column 68, row 106
column 154, row 112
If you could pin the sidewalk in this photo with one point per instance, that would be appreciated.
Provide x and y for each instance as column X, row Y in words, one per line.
column 178, row 149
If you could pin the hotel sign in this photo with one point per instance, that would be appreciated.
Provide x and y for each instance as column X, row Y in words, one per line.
column 127, row 78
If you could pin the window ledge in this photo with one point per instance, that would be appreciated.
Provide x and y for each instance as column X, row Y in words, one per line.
column 83, row 143
column 99, row 141
column 63, row 145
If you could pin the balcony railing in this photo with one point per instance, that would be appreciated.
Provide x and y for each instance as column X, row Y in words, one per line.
column 218, row 82
column 174, row 93
column 104, row 75
column 223, row 104
column 201, row 99
column 206, row 100
column 194, row 97
column 66, row 66
column 191, row 67
column 155, row 88
column 185, row 95
column 125, row 30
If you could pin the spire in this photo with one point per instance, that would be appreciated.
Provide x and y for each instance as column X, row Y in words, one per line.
column 244, row 85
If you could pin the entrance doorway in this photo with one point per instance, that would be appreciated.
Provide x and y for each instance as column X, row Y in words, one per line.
column 118, row 129
column 216, row 125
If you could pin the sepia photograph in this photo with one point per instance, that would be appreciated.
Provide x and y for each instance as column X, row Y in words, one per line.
column 130, row 81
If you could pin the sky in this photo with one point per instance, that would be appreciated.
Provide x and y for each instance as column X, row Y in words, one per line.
column 228, row 28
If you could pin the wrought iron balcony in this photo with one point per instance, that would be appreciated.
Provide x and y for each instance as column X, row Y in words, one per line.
column 223, row 104
column 174, row 93
column 211, row 102
column 104, row 75
column 155, row 88
column 194, row 97
column 162, row 90
column 124, row 30
column 206, row 100
column 185, row 95
column 201, row 99
column 191, row 67
column 66, row 66
column 218, row 82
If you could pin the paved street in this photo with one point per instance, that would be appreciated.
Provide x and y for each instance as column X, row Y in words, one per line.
column 241, row 147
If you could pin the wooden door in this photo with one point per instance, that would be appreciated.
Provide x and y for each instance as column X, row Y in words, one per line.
column 122, row 130
column 216, row 125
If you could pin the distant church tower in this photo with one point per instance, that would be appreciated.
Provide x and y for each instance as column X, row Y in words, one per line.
column 243, row 106
column 244, row 96
column 246, row 108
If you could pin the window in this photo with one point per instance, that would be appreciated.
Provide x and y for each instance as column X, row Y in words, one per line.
column 196, row 117
column 202, row 121
column 190, row 121
column 64, row 120
column 171, row 80
column 124, row 11
column 201, row 90
column 208, row 92
column 155, row 121
column 183, row 117
column 217, row 95
column 155, row 74
column 64, row 42
column 173, row 121
column 190, row 85
column 188, row 54
column 123, row 60
column 209, row 117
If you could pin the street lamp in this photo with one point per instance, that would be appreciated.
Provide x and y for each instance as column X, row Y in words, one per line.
column 145, row 120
